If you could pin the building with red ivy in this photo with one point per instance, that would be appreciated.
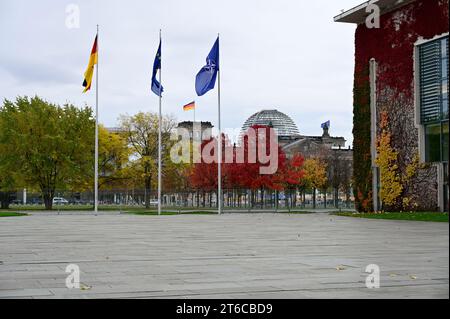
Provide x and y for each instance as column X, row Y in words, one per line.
column 401, row 91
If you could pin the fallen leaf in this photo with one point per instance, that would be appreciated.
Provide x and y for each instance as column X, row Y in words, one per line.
column 84, row 287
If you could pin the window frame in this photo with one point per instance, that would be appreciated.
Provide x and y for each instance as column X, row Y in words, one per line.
column 418, row 98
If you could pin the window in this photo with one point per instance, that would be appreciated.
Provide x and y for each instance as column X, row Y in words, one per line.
column 445, row 141
column 433, row 142
column 445, row 168
column 433, row 70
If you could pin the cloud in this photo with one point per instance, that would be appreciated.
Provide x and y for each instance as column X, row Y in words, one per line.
column 25, row 71
column 288, row 55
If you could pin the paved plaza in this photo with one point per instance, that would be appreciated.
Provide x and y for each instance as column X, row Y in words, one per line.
column 228, row 256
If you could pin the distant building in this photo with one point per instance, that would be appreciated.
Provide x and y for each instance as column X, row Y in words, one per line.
column 329, row 149
column 401, row 86
column 283, row 125
column 289, row 137
column 205, row 128
column 319, row 146
column 116, row 130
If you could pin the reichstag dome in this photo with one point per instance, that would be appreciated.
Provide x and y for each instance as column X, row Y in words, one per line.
column 283, row 124
column 289, row 137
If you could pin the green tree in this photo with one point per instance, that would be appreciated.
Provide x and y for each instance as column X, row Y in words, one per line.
column 6, row 188
column 6, row 179
column 52, row 145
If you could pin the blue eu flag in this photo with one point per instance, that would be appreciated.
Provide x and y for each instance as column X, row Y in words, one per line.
column 156, row 86
column 326, row 125
column 206, row 78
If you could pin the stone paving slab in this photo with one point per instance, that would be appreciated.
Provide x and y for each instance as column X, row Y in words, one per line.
column 227, row 256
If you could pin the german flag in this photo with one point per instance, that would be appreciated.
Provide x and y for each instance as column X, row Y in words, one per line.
column 90, row 69
column 189, row 107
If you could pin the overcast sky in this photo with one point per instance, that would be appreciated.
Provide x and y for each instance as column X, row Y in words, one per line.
column 287, row 55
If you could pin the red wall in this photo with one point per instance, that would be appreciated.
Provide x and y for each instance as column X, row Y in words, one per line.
column 392, row 46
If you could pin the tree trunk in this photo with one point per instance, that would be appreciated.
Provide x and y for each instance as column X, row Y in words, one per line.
column 286, row 199
column 347, row 199
column 148, row 188
column 197, row 196
column 203, row 199
column 314, row 198
column 292, row 194
column 294, row 201
column 254, row 199
column 276, row 199
column 48, row 200
column 4, row 200
column 336, row 197
column 304, row 198
column 262, row 198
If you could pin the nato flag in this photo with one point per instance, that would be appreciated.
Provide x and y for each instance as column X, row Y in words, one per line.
column 156, row 86
column 206, row 78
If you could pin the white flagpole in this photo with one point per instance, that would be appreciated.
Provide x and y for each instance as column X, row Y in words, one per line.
column 159, row 132
column 219, row 161
column 96, row 134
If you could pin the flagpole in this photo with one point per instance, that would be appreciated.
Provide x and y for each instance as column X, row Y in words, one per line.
column 159, row 134
column 219, row 162
column 96, row 134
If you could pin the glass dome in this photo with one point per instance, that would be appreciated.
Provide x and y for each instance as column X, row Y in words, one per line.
column 283, row 124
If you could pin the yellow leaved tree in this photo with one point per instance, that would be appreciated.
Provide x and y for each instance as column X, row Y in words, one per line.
column 315, row 175
column 394, row 180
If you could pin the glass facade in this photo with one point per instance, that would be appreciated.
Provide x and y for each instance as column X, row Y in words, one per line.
column 433, row 72
column 433, row 142
column 434, row 98
column 446, row 190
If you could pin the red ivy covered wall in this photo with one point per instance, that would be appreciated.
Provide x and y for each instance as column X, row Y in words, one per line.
column 392, row 46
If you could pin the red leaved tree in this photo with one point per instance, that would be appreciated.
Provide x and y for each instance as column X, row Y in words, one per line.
column 243, row 169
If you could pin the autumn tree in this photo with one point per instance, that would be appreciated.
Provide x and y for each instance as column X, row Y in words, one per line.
column 339, row 172
column 141, row 132
column 391, row 185
column 346, row 178
column 398, row 170
column 204, row 175
column 315, row 175
column 177, row 168
column 113, row 156
column 293, row 174
column 251, row 174
column 246, row 173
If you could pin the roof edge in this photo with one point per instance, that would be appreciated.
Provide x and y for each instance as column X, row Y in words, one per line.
column 358, row 14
